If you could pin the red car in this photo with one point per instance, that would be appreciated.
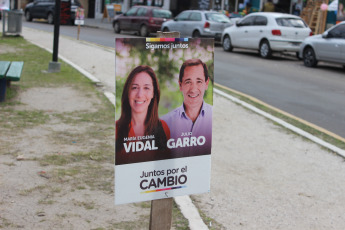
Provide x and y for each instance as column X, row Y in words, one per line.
column 144, row 19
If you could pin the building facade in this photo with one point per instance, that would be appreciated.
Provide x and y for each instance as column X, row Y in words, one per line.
column 177, row 6
column 96, row 8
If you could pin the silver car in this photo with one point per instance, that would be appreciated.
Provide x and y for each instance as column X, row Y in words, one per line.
column 329, row 47
column 198, row 23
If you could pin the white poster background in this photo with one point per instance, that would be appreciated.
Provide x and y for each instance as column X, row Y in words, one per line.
column 196, row 169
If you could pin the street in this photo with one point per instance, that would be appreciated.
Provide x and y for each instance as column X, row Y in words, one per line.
column 312, row 94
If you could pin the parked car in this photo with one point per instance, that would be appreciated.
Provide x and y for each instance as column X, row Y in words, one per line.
column 267, row 32
column 46, row 9
column 144, row 19
column 329, row 47
column 198, row 23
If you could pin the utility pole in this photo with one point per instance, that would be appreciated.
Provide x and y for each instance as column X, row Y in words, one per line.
column 55, row 66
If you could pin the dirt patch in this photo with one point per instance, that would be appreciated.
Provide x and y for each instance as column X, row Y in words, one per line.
column 65, row 99
column 56, row 168
column 8, row 49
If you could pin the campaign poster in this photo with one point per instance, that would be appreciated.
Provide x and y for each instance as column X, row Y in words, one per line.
column 4, row 5
column 79, row 17
column 163, row 112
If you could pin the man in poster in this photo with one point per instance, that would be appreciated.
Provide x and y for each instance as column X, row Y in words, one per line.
column 193, row 119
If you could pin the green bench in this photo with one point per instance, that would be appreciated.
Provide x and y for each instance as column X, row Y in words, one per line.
column 9, row 71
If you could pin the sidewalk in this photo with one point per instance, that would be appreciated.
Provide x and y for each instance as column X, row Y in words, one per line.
column 263, row 176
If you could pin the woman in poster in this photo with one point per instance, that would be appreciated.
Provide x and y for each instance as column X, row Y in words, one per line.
column 140, row 135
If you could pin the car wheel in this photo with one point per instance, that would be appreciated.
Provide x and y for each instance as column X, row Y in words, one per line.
column 196, row 34
column 50, row 18
column 265, row 49
column 143, row 31
column 309, row 57
column 28, row 16
column 165, row 29
column 117, row 28
column 227, row 43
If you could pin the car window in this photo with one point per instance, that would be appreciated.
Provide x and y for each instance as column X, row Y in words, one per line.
column 132, row 11
column 195, row 17
column 247, row 21
column 337, row 32
column 260, row 21
column 158, row 13
column 183, row 16
column 291, row 22
column 142, row 12
column 216, row 17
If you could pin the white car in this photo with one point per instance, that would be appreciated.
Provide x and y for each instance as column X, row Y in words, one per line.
column 329, row 47
column 267, row 32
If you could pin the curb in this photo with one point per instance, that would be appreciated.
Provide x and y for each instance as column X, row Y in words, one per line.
column 299, row 131
column 110, row 96
column 190, row 212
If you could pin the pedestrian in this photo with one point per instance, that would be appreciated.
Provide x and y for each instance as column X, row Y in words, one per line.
column 268, row 6
column 341, row 12
column 297, row 8
column 248, row 9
